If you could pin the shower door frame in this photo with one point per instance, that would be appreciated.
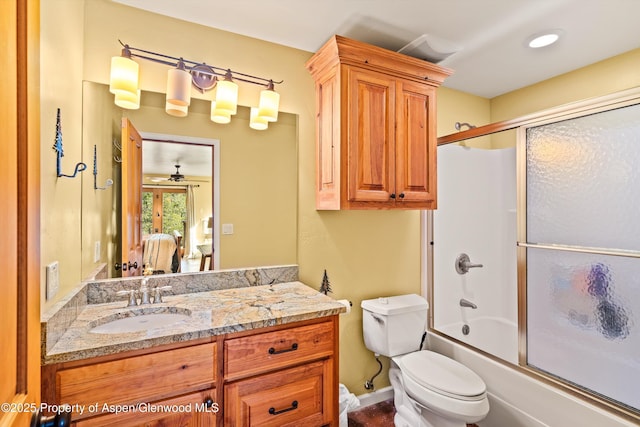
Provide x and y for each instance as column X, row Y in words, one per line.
column 568, row 111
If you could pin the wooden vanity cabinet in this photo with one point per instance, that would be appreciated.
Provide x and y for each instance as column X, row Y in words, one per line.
column 287, row 377
column 284, row 375
column 174, row 386
column 375, row 127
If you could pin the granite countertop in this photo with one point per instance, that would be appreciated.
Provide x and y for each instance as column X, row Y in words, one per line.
column 210, row 313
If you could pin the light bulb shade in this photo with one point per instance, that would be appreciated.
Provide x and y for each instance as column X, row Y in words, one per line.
column 218, row 116
column 176, row 110
column 124, row 76
column 227, row 96
column 179, row 87
column 128, row 101
column 256, row 122
column 268, row 105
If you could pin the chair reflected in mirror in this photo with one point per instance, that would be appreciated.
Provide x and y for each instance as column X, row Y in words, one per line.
column 161, row 252
column 206, row 249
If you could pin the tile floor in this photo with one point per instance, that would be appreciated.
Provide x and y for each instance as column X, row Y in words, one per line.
column 378, row 415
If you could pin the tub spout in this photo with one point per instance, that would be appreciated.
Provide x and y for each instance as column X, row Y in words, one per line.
column 467, row 303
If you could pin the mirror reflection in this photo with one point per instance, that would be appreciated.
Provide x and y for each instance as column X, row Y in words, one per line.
column 243, row 184
column 177, row 206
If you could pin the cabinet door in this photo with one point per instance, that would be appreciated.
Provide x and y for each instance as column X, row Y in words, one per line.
column 192, row 410
column 328, row 140
column 371, row 155
column 294, row 397
column 416, row 145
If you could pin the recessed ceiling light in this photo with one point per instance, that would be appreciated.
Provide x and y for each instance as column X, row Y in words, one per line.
column 543, row 39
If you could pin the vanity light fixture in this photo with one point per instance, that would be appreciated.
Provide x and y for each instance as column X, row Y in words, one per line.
column 176, row 110
column 128, row 100
column 219, row 116
column 543, row 39
column 257, row 122
column 227, row 95
column 124, row 85
column 179, row 85
column 123, row 78
column 269, row 103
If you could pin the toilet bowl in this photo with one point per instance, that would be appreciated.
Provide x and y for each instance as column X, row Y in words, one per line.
column 430, row 389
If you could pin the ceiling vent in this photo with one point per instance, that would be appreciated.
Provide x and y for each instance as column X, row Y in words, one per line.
column 430, row 48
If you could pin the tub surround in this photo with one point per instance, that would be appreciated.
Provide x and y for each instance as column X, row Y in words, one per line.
column 219, row 302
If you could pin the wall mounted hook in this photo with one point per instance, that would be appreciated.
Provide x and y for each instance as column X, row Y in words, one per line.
column 57, row 146
column 109, row 181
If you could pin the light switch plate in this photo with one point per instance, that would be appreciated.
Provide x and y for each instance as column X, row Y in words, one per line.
column 227, row 228
column 96, row 252
column 53, row 279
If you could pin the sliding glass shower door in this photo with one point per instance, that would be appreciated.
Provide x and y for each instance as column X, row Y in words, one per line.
column 579, row 242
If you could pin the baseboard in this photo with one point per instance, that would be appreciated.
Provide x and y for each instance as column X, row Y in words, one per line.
column 374, row 397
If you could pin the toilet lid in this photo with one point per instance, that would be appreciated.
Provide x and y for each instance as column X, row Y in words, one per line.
column 442, row 374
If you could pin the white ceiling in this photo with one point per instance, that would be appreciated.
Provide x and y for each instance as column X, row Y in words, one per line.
column 160, row 158
column 491, row 59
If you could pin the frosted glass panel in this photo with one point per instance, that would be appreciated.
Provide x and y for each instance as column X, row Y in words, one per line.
column 582, row 320
column 583, row 181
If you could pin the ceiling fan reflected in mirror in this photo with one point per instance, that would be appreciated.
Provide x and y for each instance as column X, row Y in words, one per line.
column 177, row 177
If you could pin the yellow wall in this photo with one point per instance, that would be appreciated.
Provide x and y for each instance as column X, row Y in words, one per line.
column 61, row 58
column 611, row 75
column 366, row 254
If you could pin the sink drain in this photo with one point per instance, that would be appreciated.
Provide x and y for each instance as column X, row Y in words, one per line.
column 465, row 329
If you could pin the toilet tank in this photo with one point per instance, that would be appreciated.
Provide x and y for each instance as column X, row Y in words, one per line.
column 394, row 325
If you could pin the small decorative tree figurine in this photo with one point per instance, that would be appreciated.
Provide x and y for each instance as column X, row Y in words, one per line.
column 326, row 286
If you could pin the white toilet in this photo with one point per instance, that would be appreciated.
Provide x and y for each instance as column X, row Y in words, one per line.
column 430, row 390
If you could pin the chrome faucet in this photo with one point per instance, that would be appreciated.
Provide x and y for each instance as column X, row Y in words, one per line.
column 467, row 303
column 132, row 297
column 144, row 292
column 157, row 293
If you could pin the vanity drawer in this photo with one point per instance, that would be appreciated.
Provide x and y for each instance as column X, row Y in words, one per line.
column 138, row 379
column 291, row 397
column 272, row 350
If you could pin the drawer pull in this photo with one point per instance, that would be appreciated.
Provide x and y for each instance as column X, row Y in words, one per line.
column 294, row 347
column 294, row 405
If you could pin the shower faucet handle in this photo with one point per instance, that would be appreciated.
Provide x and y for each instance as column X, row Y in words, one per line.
column 463, row 264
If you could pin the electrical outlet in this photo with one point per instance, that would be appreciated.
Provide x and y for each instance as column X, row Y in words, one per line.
column 53, row 279
column 227, row 228
column 96, row 252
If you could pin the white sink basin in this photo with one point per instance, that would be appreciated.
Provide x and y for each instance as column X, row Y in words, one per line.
column 138, row 323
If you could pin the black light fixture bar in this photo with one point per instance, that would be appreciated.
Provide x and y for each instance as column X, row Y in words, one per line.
column 195, row 67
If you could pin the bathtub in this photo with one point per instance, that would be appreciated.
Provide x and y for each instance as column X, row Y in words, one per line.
column 493, row 335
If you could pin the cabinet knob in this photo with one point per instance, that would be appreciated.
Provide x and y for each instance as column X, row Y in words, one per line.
column 402, row 195
column 208, row 402
column 392, row 195
column 61, row 419
column 117, row 266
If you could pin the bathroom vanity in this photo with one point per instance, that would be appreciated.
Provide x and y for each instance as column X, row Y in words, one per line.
column 259, row 355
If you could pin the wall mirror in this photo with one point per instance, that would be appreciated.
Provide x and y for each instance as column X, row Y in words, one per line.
column 253, row 176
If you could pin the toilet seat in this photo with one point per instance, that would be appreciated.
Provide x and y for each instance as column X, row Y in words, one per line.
column 442, row 375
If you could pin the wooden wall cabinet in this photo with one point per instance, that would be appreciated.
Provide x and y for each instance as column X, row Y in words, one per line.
column 375, row 127
column 284, row 375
